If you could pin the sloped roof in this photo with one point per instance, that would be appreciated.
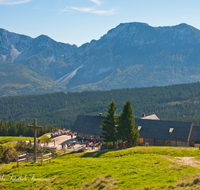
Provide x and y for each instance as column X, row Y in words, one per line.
column 153, row 117
column 159, row 129
column 88, row 124
column 195, row 136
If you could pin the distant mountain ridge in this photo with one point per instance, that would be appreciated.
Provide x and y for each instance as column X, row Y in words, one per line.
column 130, row 55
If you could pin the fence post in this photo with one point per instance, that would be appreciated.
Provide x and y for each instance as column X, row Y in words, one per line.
column 27, row 157
column 17, row 161
column 41, row 158
column 49, row 159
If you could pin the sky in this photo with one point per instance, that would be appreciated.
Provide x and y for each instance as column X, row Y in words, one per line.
column 80, row 21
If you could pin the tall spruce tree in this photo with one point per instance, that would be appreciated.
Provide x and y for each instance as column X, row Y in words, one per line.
column 126, row 129
column 109, row 124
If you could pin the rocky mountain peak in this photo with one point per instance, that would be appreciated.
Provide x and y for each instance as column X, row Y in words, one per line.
column 129, row 55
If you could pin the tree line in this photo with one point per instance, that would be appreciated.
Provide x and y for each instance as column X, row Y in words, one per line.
column 120, row 128
column 175, row 102
column 12, row 128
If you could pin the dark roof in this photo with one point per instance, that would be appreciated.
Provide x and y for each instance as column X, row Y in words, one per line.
column 155, row 129
column 159, row 129
column 195, row 136
column 88, row 124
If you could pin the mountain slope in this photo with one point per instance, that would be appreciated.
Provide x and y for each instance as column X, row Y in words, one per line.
column 140, row 55
column 130, row 55
column 17, row 79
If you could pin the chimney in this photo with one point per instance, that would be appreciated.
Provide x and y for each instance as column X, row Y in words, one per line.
column 100, row 114
column 143, row 115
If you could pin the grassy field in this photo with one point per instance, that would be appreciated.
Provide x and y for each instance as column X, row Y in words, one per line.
column 142, row 168
column 5, row 139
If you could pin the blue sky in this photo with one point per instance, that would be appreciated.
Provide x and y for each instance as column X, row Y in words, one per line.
column 80, row 21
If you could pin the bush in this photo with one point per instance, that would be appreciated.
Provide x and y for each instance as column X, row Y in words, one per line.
column 9, row 155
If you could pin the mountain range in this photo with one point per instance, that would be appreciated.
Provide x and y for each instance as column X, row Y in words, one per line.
column 130, row 55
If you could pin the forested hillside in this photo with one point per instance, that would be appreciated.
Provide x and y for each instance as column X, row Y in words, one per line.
column 176, row 102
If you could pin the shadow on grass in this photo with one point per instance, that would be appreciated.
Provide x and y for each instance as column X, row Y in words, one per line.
column 95, row 154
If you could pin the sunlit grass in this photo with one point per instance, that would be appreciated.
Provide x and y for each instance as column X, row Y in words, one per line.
column 171, row 151
column 5, row 139
column 135, row 168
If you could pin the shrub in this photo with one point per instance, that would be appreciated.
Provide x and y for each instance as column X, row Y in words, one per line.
column 9, row 155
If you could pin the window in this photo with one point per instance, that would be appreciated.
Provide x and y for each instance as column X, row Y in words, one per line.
column 171, row 130
column 139, row 128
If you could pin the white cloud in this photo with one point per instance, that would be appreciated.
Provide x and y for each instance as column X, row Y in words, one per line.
column 62, row 11
column 97, row 2
column 83, row 9
column 13, row 2
column 94, row 11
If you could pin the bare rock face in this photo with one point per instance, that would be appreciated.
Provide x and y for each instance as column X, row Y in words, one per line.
column 12, row 45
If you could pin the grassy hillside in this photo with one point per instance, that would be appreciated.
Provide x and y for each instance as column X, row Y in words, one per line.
column 142, row 168
column 176, row 102
column 9, row 148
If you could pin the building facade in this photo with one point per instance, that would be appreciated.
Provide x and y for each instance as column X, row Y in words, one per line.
column 152, row 130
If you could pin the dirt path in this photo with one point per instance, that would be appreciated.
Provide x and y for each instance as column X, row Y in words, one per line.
column 59, row 140
column 188, row 161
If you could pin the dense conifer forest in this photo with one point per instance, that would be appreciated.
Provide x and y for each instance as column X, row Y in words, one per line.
column 176, row 102
column 12, row 128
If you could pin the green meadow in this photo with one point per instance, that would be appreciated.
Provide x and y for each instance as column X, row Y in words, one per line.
column 7, row 139
column 142, row 168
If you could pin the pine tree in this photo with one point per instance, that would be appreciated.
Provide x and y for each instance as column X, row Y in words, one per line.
column 126, row 129
column 109, row 124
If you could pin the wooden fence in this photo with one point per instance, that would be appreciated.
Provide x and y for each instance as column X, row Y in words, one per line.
column 30, row 157
column 51, row 149
column 37, row 145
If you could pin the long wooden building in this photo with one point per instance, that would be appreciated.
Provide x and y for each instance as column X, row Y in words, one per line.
column 152, row 130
